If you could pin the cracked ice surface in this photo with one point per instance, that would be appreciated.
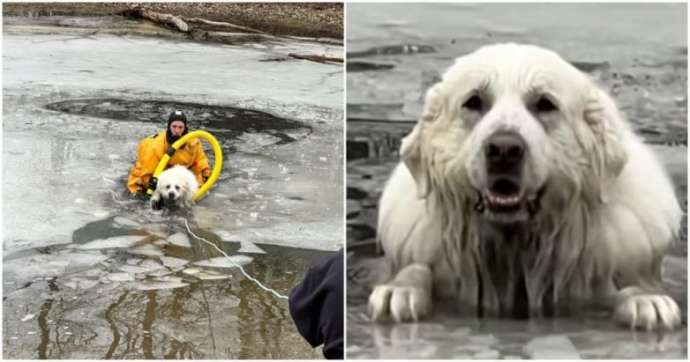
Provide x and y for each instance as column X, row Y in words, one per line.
column 89, row 261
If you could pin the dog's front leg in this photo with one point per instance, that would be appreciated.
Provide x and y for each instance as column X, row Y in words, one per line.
column 407, row 297
column 156, row 201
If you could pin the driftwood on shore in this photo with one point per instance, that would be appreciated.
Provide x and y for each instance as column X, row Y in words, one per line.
column 181, row 24
column 158, row 18
column 223, row 24
column 316, row 58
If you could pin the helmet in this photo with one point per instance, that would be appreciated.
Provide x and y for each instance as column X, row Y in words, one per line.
column 177, row 115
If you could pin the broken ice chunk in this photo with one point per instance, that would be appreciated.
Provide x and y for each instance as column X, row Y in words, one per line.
column 173, row 263
column 248, row 247
column 148, row 250
column 119, row 220
column 551, row 347
column 211, row 275
column 192, row 271
column 114, row 242
column 120, row 277
column 160, row 285
column 223, row 262
column 180, row 239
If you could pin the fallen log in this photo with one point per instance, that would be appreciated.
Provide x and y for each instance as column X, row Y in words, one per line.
column 158, row 18
column 223, row 24
column 316, row 58
column 328, row 41
column 180, row 23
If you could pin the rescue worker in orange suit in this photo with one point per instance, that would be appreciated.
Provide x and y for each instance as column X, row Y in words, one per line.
column 151, row 150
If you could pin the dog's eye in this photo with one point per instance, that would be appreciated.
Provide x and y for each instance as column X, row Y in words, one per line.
column 177, row 187
column 474, row 103
column 167, row 187
column 544, row 105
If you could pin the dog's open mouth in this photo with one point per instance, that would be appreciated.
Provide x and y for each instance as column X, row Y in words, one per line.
column 504, row 195
column 506, row 200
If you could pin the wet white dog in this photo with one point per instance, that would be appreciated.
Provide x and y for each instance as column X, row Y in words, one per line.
column 524, row 192
column 176, row 186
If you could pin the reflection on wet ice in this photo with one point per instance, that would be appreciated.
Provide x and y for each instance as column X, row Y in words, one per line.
column 176, row 300
column 465, row 338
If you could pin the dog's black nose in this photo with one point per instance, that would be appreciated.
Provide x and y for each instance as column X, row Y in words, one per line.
column 171, row 195
column 504, row 151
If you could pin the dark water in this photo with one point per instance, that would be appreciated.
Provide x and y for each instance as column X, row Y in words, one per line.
column 637, row 52
column 165, row 310
column 226, row 122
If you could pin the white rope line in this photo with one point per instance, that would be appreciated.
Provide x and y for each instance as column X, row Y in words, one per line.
column 278, row 295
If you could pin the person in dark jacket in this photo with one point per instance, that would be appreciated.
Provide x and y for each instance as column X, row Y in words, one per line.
column 316, row 305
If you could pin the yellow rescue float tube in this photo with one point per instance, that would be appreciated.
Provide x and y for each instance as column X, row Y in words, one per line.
column 217, row 165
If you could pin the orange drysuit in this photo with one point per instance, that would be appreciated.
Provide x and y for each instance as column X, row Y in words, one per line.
column 151, row 150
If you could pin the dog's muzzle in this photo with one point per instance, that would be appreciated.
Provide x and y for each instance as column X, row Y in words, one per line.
column 504, row 196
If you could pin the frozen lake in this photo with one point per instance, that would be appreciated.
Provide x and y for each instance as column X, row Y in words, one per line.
column 88, row 272
column 396, row 51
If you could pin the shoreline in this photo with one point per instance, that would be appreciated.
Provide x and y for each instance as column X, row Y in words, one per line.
column 314, row 20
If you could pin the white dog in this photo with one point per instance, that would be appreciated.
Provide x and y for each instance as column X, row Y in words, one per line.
column 176, row 186
column 523, row 192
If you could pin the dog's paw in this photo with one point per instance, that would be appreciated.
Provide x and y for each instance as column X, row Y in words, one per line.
column 156, row 203
column 648, row 311
column 403, row 303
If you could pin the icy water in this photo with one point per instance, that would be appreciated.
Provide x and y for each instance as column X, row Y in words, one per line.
column 88, row 272
column 396, row 51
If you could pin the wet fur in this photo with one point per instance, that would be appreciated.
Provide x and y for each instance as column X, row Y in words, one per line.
column 608, row 212
column 178, row 181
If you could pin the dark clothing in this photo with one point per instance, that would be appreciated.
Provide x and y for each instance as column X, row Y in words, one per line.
column 316, row 305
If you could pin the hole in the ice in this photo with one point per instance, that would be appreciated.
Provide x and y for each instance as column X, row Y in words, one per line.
column 224, row 122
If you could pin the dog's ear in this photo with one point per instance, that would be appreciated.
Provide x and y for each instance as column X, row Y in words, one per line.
column 608, row 156
column 411, row 150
